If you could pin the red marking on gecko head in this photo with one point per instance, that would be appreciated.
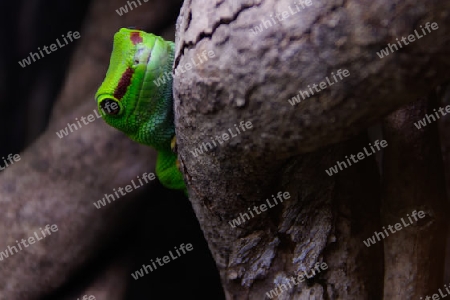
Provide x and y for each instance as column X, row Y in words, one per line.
column 124, row 82
column 136, row 37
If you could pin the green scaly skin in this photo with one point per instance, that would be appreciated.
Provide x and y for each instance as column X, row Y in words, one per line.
column 131, row 102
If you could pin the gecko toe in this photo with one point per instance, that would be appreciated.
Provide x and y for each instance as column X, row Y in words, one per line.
column 173, row 144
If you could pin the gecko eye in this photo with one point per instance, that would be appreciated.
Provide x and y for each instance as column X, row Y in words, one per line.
column 110, row 106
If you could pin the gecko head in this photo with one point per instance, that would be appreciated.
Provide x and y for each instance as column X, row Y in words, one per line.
column 129, row 98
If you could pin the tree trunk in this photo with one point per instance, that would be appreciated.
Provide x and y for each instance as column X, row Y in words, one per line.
column 414, row 181
column 251, row 77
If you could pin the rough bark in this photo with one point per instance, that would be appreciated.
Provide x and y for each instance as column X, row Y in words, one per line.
column 250, row 78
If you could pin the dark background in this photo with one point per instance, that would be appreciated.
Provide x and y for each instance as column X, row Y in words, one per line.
column 27, row 96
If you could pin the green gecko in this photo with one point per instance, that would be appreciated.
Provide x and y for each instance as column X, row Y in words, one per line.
column 129, row 101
